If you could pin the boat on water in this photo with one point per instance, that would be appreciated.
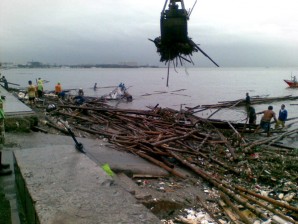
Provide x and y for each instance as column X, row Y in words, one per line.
column 292, row 83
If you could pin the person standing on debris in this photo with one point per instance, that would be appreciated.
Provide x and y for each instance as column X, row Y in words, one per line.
column 95, row 86
column 247, row 100
column 39, row 81
column 282, row 117
column 81, row 92
column 79, row 99
column 58, row 88
column 4, row 80
column 265, row 121
column 252, row 117
column 39, row 88
column 58, row 91
column 31, row 92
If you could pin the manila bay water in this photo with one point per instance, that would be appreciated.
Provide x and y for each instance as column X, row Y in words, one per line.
column 188, row 87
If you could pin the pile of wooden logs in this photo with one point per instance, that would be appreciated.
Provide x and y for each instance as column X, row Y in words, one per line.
column 170, row 138
column 241, row 102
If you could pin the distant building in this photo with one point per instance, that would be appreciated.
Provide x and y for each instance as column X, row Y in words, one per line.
column 34, row 64
column 7, row 65
column 130, row 64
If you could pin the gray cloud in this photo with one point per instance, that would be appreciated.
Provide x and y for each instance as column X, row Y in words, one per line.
column 91, row 31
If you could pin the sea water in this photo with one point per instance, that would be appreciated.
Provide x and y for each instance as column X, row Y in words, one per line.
column 187, row 87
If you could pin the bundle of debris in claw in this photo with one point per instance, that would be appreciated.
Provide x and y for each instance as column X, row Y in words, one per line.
column 170, row 51
column 174, row 43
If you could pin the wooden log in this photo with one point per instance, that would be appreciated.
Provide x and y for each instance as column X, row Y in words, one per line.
column 179, row 150
column 174, row 138
column 127, row 111
column 283, row 135
column 234, row 208
column 63, row 130
column 274, row 211
column 97, row 132
column 221, row 186
column 237, row 133
column 229, row 213
column 162, row 165
column 196, row 152
column 272, row 201
column 248, row 146
column 76, row 117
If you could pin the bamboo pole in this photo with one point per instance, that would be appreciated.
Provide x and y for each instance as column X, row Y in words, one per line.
column 272, row 201
column 221, row 186
column 268, row 208
column 160, row 164
column 174, row 138
column 234, row 208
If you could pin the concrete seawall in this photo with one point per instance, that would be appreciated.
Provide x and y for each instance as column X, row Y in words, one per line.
column 57, row 184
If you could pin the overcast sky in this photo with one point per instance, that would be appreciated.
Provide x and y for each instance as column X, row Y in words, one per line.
column 232, row 32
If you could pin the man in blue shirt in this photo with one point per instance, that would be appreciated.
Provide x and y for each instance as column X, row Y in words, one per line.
column 282, row 117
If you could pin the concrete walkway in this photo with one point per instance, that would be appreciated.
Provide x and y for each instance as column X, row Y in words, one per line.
column 13, row 106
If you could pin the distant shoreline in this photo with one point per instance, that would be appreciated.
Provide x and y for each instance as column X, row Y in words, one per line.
column 80, row 66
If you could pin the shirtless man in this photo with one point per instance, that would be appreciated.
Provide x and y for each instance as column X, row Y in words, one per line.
column 265, row 121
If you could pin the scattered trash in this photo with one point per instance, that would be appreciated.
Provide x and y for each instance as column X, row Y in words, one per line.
column 107, row 169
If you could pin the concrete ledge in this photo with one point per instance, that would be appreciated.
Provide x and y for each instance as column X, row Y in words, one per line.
column 20, row 123
column 57, row 184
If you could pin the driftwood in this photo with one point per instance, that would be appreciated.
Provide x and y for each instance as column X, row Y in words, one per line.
column 242, row 102
column 272, row 139
column 234, row 208
column 170, row 138
column 272, row 201
column 274, row 211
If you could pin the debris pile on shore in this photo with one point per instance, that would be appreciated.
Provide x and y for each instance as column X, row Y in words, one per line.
column 241, row 102
column 250, row 179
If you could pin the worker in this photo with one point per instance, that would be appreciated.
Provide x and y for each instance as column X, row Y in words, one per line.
column 4, row 80
column 39, row 88
column 39, row 81
column 81, row 92
column 31, row 93
column 252, row 117
column 58, row 91
column 282, row 117
column 265, row 121
column 247, row 101
column 58, row 88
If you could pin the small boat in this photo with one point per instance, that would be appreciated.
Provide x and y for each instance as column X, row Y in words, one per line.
column 120, row 92
column 292, row 83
